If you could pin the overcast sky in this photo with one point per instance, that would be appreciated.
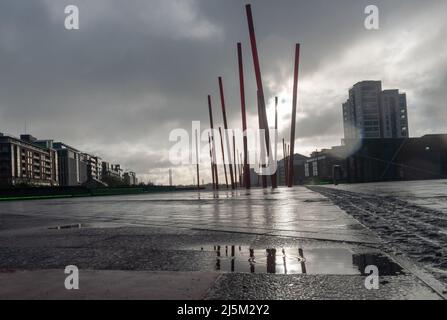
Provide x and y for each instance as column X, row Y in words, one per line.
column 138, row 69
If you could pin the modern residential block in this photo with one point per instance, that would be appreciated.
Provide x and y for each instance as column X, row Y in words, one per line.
column 370, row 113
column 24, row 162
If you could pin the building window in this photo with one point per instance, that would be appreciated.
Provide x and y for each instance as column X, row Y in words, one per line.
column 315, row 168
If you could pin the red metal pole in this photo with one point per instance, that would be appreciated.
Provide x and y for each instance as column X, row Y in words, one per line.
column 262, row 150
column 294, row 103
column 237, row 169
column 234, row 160
column 244, row 116
column 275, row 155
column 241, row 170
column 261, row 111
column 197, row 160
column 286, row 166
column 211, row 158
column 214, row 164
column 290, row 163
column 223, row 156
column 224, row 113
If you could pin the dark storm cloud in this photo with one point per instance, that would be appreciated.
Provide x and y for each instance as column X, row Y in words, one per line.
column 137, row 69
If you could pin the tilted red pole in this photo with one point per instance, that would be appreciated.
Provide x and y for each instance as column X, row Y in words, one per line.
column 197, row 161
column 234, row 160
column 211, row 158
column 261, row 151
column 224, row 113
column 241, row 169
column 262, row 114
column 223, row 156
column 294, row 103
column 275, row 155
column 286, row 165
column 289, row 163
column 214, row 164
column 244, row 116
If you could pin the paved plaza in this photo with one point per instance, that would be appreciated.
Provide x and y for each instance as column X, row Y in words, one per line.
column 282, row 244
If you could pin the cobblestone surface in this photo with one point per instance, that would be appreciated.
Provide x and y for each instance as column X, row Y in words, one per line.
column 416, row 231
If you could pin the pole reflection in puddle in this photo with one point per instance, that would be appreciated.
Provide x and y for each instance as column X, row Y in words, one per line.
column 233, row 261
column 252, row 261
column 284, row 260
column 218, row 258
column 301, row 257
column 271, row 260
column 341, row 261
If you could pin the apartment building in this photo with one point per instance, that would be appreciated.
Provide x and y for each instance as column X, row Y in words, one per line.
column 373, row 113
column 72, row 170
column 130, row 178
column 24, row 162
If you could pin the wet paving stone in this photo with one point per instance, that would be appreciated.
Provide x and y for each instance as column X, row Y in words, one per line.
column 316, row 287
column 286, row 244
column 413, row 230
column 286, row 260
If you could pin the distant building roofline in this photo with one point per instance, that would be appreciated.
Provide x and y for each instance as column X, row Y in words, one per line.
column 67, row 146
column 366, row 81
column 31, row 143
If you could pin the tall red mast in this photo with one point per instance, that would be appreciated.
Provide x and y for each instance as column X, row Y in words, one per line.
column 294, row 103
column 261, row 110
column 246, row 170
column 213, row 145
column 224, row 113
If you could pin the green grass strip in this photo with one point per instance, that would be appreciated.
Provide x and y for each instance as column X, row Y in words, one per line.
column 35, row 197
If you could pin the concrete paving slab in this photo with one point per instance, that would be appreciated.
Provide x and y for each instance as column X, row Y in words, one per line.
column 106, row 285
column 316, row 287
column 418, row 232
column 291, row 212
column 147, row 235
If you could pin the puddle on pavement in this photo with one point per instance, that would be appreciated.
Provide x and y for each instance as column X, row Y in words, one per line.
column 68, row 226
column 243, row 259
column 90, row 225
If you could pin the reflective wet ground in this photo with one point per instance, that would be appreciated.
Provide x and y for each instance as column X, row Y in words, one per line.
column 410, row 217
column 285, row 212
column 427, row 193
column 264, row 239
column 316, row 260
